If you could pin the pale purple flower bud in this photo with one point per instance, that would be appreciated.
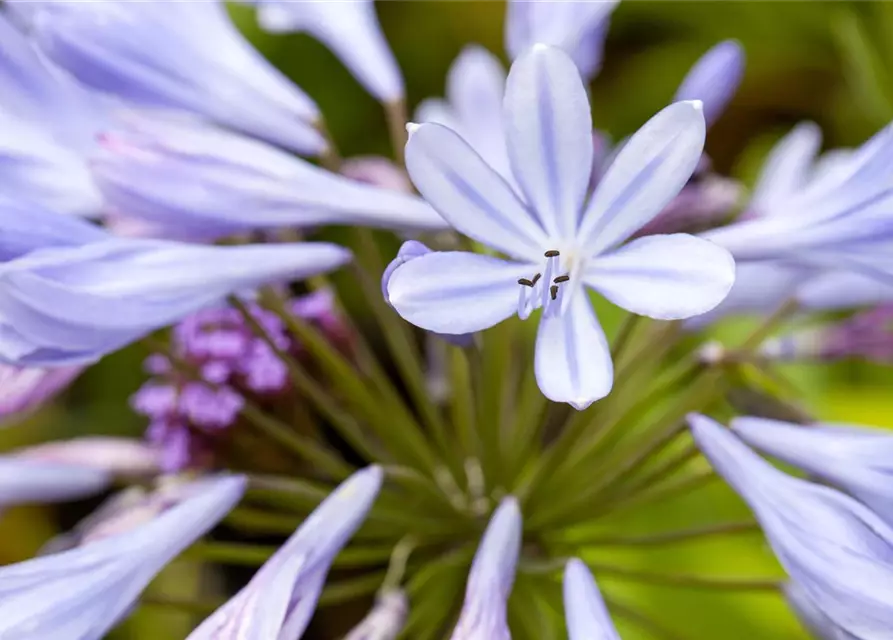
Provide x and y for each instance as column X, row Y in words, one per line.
column 714, row 78
column 811, row 617
column 24, row 481
column 386, row 619
column 350, row 30
column 584, row 609
column 119, row 456
column 378, row 171
column 280, row 599
column 492, row 576
column 80, row 594
column 147, row 53
column 26, row 388
column 838, row 550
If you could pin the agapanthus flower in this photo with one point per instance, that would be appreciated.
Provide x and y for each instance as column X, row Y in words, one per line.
column 147, row 53
column 559, row 243
column 837, row 550
column 47, row 126
column 280, row 599
column 219, row 183
column 855, row 458
column 584, row 609
column 483, row 615
column 26, row 388
column 72, row 305
column 81, row 593
column 579, row 28
column 350, row 29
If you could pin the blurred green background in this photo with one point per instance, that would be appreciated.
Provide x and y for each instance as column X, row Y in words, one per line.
column 821, row 61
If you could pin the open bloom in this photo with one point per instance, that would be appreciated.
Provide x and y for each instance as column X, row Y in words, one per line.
column 219, row 183
column 579, row 28
column 147, row 53
column 559, row 244
column 854, row 458
column 836, row 549
column 47, row 126
column 350, row 30
column 492, row 576
column 584, row 609
column 70, row 305
column 81, row 593
column 280, row 599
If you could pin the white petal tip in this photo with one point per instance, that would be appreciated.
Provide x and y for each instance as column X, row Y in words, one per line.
column 580, row 405
column 697, row 105
column 412, row 127
column 539, row 47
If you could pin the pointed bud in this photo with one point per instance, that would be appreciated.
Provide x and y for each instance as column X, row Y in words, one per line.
column 584, row 609
column 386, row 619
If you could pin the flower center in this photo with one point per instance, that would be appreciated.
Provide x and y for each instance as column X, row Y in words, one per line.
column 545, row 288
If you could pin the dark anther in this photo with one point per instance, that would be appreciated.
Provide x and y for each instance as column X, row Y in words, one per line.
column 526, row 282
column 554, row 291
column 552, row 254
column 536, row 278
column 560, row 279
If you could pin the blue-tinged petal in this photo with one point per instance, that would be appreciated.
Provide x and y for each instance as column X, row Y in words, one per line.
column 579, row 28
column 68, row 305
column 409, row 250
column 665, row 277
column 584, row 609
column 456, row 292
column 714, row 78
column 350, row 30
column 385, row 621
column 491, row 578
column 573, row 360
column 147, row 53
column 816, row 622
column 218, row 183
column 25, row 227
column 23, row 389
column 858, row 460
column 82, row 593
column 279, row 600
column 121, row 456
column 647, row 173
column 843, row 289
column 469, row 194
column 548, row 132
column 786, row 170
column 24, row 481
column 837, row 549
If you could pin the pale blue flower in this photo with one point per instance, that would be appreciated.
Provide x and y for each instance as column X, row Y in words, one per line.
column 68, row 305
column 837, row 550
column 177, row 55
column 218, row 183
column 25, row 226
column 80, row 594
column 714, row 78
column 560, row 240
column 47, row 125
column 855, row 458
column 350, row 29
column 579, row 28
column 385, row 621
column 584, row 609
column 279, row 601
column 812, row 618
column 483, row 615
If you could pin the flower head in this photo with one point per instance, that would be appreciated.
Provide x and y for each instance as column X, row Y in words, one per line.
column 146, row 53
column 559, row 244
column 585, row 611
column 492, row 576
column 81, row 593
column 280, row 599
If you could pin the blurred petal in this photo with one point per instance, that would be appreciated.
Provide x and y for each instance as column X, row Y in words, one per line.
column 219, row 183
column 279, row 600
column 377, row 171
column 24, row 481
column 455, row 291
column 385, row 621
column 146, row 53
column 843, row 289
column 573, row 360
column 584, row 609
column 67, row 305
column 714, row 78
column 25, row 227
column 664, row 277
column 812, row 618
column 27, row 388
column 787, row 169
column 409, row 250
column 548, row 131
column 121, row 456
column 491, row 578
column 350, row 30
column 470, row 195
column 84, row 592
column 647, row 173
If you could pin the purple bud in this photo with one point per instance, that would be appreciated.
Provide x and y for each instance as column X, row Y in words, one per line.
column 714, row 78
column 386, row 619
column 700, row 204
column 584, row 609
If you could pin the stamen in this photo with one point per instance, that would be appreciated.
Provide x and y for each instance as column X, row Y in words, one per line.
column 526, row 282
column 561, row 279
column 537, row 277
column 553, row 291
column 552, row 253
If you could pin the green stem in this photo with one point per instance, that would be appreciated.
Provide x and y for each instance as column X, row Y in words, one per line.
column 627, row 329
column 645, row 622
column 395, row 112
column 397, row 565
column 231, row 554
column 200, row 607
column 669, row 537
column 688, row 580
